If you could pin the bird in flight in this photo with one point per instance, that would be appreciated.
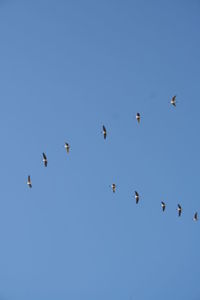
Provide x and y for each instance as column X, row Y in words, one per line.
column 104, row 132
column 173, row 101
column 113, row 187
column 137, row 197
column 44, row 159
column 67, row 147
column 179, row 210
column 163, row 205
column 195, row 218
column 29, row 181
column 138, row 117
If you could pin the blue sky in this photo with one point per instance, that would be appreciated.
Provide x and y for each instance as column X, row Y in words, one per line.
column 67, row 68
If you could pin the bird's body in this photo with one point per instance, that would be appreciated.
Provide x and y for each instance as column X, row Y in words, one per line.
column 67, row 147
column 195, row 218
column 44, row 159
column 173, row 101
column 137, row 197
column 29, row 181
column 179, row 210
column 104, row 132
column 138, row 117
column 163, row 205
column 113, row 187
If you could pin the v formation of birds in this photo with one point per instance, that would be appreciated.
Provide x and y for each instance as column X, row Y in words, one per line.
column 113, row 185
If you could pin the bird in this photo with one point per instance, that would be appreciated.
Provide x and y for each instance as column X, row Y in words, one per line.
column 29, row 181
column 179, row 210
column 104, row 132
column 137, row 197
column 67, row 147
column 195, row 218
column 163, row 205
column 44, row 159
column 138, row 117
column 173, row 101
column 113, row 186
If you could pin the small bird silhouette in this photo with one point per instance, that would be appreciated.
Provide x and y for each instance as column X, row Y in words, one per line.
column 173, row 101
column 44, row 159
column 137, row 197
column 67, row 147
column 163, row 205
column 138, row 117
column 104, row 132
column 195, row 218
column 113, row 187
column 179, row 210
column 29, row 181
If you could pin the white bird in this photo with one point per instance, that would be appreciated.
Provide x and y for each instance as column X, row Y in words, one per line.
column 104, row 132
column 29, row 181
column 67, row 147
column 137, row 197
column 44, row 159
column 113, row 187
column 179, row 210
column 195, row 218
column 138, row 117
column 173, row 101
column 163, row 205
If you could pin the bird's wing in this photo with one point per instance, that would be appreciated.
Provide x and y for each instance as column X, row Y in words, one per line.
column 179, row 210
column 174, row 98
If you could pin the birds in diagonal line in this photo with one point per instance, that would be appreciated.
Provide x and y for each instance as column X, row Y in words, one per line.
column 113, row 185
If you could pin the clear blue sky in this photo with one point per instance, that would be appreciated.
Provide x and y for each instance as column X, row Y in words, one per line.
column 67, row 68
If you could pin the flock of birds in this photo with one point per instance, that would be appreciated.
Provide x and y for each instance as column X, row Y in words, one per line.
column 113, row 186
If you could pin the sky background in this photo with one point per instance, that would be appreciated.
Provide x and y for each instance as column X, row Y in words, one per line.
column 67, row 68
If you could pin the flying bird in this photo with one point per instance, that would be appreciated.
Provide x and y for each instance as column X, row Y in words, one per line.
column 104, row 132
column 138, row 117
column 44, row 159
column 113, row 187
column 29, row 181
column 173, row 101
column 67, row 147
column 179, row 210
column 137, row 197
column 195, row 218
column 163, row 205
